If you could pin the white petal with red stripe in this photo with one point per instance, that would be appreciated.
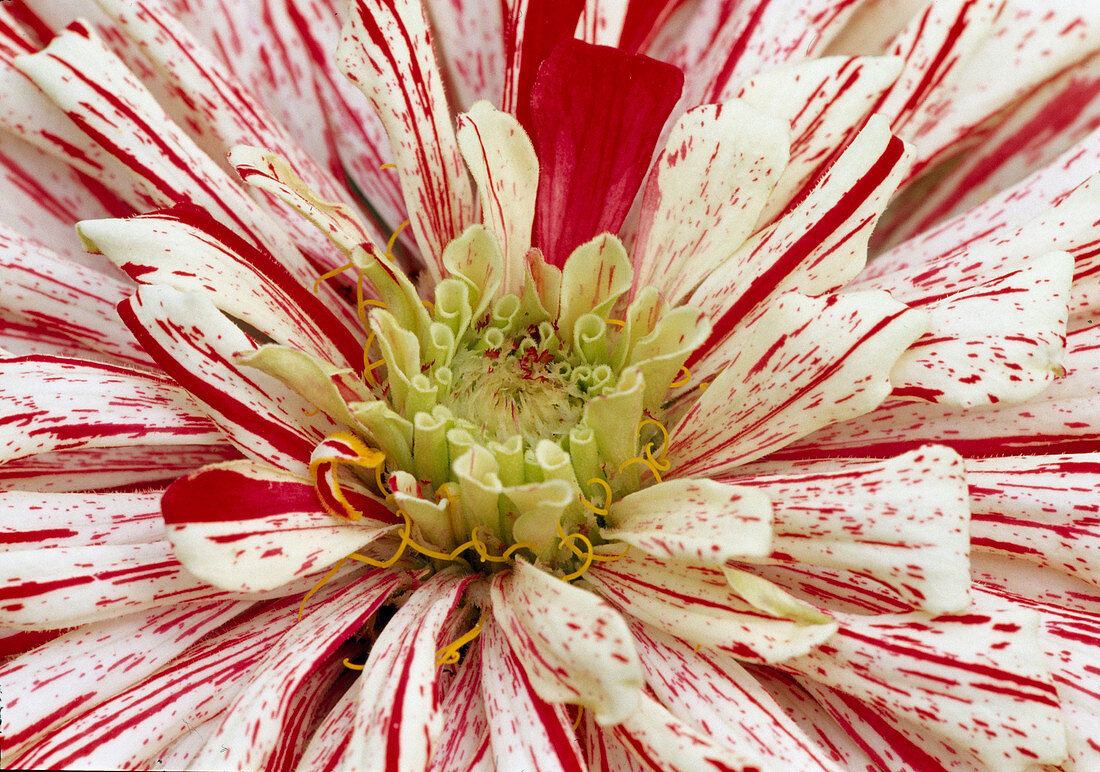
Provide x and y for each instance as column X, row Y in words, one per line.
column 699, row 605
column 386, row 50
column 34, row 520
column 524, row 731
column 903, row 523
column 463, row 742
column 805, row 363
column 705, row 192
column 699, row 520
column 979, row 681
column 51, row 403
column 573, row 646
column 245, row 527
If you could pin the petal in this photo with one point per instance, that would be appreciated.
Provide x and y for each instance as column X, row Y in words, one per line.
column 711, row 692
column 573, row 646
column 33, row 520
column 185, row 248
column 532, row 30
column 825, row 102
column 165, row 165
column 663, row 742
column 470, row 36
column 463, row 742
column 698, row 605
column 605, row 752
column 1042, row 509
column 1063, row 419
column 803, row 364
column 1001, row 704
column 130, row 728
column 705, row 193
column 44, row 687
column 524, row 731
column 219, row 108
column 73, row 303
column 903, row 523
column 253, row 728
column 595, row 143
column 698, row 520
column 817, row 247
column 386, row 51
column 245, row 527
column 195, row 344
column 50, row 588
column 1015, row 322
column 398, row 715
column 53, row 404
column 503, row 163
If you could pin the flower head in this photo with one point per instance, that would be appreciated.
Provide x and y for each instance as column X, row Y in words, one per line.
column 565, row 427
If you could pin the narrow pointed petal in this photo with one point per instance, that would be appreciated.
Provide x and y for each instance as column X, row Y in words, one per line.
column 903, row 523
column 524, row 731
column 711, row 692
column 698, row 520
column 817, row 247
column 1063, row 419
column 55, row 404
column 464, row 740
column 470, row 35
column 245, row 527
column 253, row 728
column 130, row 728
column 73, row 303
column 57, row 587
column 43, row 687
column 664, row 743
column 698, row 605
column 1042, row 509
column 532, row 30
column 188, row 250
column 805, row 363
column 604, row 752
column 594, row 144
column 503, row 163
column 1001, row 705
column 705, row 194
column 386, row 51
column 33, row 519
column 573, row 646
column 195, row 344
column 165, row 165
column 398, row 716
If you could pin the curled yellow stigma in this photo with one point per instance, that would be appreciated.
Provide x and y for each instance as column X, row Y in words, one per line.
column 388, row 166
column 329, row 275
column 348, row 664
column 449, row 654
column 393, row 238
column 617, row 322
column 566, row 540
column 606, row 497
column 683, row 381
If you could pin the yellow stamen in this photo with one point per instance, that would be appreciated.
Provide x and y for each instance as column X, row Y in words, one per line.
column 610, row 558
column 703, row 385
column 388, row 166
column 350, row 666
column 683, row 382
column 659, row 425
column 329, row 275
column 393, row 238
column 661, row 463
column 385, row 489
column 606, row 497
column 449, row 654
column 644, row 462
column 577, row 720
column 617, row 322
column 315, row 411
column 429, row 305
column 483, row 551
column 587, row 555
column 319, row 585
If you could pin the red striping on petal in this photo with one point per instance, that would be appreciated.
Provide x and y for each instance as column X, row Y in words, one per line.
column 532, row 30
column 595, row 142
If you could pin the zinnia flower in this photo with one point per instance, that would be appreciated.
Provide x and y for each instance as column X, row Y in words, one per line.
column 548, row 415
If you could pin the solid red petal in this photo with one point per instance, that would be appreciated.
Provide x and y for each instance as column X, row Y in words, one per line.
column 596, row 116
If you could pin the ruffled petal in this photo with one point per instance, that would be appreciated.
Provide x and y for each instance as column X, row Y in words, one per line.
column 803, row 364
column 52, row 404
column 698, row 520
column 386, row 51
column 699, row 605
column 573, row 646
column 524, row 731
column 245, row 527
